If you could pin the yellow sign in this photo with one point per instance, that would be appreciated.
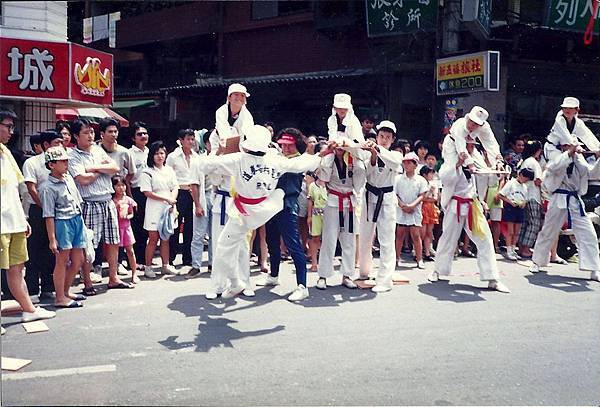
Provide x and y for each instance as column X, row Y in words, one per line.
column 460, row 67
column 91, row 79
column 479, row 71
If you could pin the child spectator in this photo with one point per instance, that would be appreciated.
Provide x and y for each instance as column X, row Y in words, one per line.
column 410, row 189
column 61, row 205
column 494, row 206
column 514, row 194
column 533, row 211
column 317, row 200
column 159, row 183
column 125, row 210
column 431, row 212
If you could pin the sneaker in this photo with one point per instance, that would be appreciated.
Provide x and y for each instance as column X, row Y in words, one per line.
column 39, row 313
column 299, row 294
column 380, row 288
column 498, row 286
column 2, row 331
column 510, row 255
column 121, row 270
column 95, row 277
column 348, row 283
column 231, row 292
column 35, row 299
column 211, row 295
column 432, row 251
column 248, row 292
column 321, row 284
column 595, row 276
column 149, row 273
column 168, row 269
column 193, row 273
column 433, row 276
column 268, row 280
column 534, row 268
column 420, row 264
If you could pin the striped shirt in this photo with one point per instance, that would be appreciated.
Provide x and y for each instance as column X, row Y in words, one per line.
column 101, row 189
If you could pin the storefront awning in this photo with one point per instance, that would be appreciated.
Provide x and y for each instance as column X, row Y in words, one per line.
column 128, row 104
column 93, row 113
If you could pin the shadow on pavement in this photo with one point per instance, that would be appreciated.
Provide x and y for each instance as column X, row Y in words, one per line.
column 566, row 284
column 444, row 291
column 214, row 331
column 334, row 296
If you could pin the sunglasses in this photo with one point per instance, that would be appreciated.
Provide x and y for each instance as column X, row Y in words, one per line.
column 141, row 133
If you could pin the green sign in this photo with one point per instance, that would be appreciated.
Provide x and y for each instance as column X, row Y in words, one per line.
column 390, row 17
column 484, row 14
column 570, row 15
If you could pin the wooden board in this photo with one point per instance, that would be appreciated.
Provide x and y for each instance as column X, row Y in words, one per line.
column 232, row 145
column 400, row 279
column 10, row 307
column 13, row 364
column 36, row 326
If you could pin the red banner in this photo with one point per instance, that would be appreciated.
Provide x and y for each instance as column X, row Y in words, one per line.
column 34, row 69
column 55, row 71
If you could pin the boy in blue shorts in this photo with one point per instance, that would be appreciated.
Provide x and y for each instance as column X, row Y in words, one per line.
column 61, row 206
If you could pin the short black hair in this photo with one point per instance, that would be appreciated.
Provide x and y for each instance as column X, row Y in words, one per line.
column 136, row 126
column 60, row 125
column 106, row 122
column 425, row 170
column 47, row 136
column 531, row 147
column 181, row 134
column 527, row 173
column 206, row 136
column 297, row 135
column 78, row 125
column 6, row 113
column 421, row 144
column 154, row 147
column 35, row 139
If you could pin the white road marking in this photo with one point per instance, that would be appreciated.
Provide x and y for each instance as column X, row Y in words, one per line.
column 59, row 372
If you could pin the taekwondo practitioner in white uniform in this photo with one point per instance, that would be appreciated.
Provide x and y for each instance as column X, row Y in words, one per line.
column 255, row 172
column 379, row 207
column 566, row 178
column 458, row 194
column 232, row 117
column 344, row 173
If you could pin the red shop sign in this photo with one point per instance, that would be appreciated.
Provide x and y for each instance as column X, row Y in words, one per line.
column 91, row 75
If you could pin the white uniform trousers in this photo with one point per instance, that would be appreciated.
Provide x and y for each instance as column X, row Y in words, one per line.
column 386, row 234
column 451, row 230
column 329, row 237
column 232, row 257
column 587, row 241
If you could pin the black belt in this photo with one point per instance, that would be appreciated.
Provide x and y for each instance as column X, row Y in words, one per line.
column 223, row 194
column 379, row 192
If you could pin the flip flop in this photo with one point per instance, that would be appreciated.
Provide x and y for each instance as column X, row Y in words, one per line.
column 122, row 284
column 79, row 297
column 89, row 291
column 71, row 304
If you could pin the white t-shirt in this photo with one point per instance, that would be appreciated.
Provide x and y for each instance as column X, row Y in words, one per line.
column 533, row 191
column 12, row 218
column 515, row 191
column 35, row 171
column 408, row 189
column 158, row 180
column 140, row 161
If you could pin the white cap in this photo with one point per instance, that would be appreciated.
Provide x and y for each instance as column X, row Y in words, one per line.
column 387, row 124
column 237, row 87
column 342, row 101
column 412, row 156
column 256, row 138
column 570, row 101
column 478, row 115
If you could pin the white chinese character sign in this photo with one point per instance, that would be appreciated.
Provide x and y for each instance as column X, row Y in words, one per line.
column 390, row 17
column 571, row 15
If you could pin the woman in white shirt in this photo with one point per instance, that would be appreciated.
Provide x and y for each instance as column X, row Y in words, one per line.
column 533, row 210
column 159, row 184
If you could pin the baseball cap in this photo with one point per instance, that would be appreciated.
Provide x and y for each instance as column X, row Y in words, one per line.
column 55, row 154
column 478, row 115
column 412, row 156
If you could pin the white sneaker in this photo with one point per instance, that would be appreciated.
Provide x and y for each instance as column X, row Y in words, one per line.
column 498, row 286
column 433, row 276
column 248, row 292
column 95, row 277
column 511, row 256
column 211, row 295
column 534, row 268
column 121, row 270
column 299, row 294
column 380, row 288
column 168, row 269
column 231, row 292
column 268, row 280
column 348, row 283
column 595, row 275
column 39, row 313
column 3, row 331
column 321, row 284
column 420, row 264
column 148, row 272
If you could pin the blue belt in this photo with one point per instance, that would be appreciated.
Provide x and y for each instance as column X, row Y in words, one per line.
column 570, row 194
column 224, row 194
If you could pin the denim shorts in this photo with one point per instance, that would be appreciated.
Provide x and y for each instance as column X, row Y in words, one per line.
column 70, row 233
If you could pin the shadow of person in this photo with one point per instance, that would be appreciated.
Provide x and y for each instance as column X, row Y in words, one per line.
column 566, row 284
column 444, row 291
column 214, row 331
column 336, row 295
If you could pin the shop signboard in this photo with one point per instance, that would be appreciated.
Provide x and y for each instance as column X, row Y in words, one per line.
column 570, row 15
column 468, row 73
column 91, row 75
column 392, row 17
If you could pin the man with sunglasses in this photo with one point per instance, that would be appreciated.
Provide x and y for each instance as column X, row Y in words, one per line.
column 139, row 155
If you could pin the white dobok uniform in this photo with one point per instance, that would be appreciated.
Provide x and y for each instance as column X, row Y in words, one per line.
column 456, row 142
column 379, row 211
column 224, row 130
column 565, row 205
column 255, row 201
column 457, row 194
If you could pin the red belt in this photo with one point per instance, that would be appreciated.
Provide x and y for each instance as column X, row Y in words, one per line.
column 460, row 200
column 341, row 196
column 239, row 202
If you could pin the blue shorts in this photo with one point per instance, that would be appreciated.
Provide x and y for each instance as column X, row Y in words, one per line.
column 513, row 214
column 70, row 233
